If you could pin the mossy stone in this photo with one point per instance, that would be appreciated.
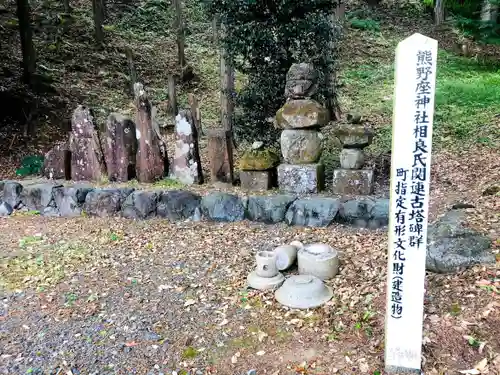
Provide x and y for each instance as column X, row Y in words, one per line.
column 301, row 114
column 258, row 160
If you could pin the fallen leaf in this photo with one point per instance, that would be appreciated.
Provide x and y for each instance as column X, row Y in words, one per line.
column 189, row 302
column 481, row 365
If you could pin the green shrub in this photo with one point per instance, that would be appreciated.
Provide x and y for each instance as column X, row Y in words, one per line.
column 263, row 39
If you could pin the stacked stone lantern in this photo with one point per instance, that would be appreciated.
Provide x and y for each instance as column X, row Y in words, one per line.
column 301, row 142
column 352, row 178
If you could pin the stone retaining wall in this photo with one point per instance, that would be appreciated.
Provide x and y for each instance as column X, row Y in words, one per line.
column 76, row 200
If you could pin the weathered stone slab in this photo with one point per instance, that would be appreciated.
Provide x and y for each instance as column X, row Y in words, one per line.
column 301, row 146
column 312, row 212
column 5, row 209
column 370, row 213
column 87, row 159
column 178, row 205
column 258, row 180
column 352, row 158
column 452, row 246
column 57, row 162
column 140, row 205
column 12, row 193
column 301, row 114
column 223, row 207
column 352, row 181
column 151, row 157
column 220, row 155
column 353, row 135
column 69, row 200
column 120, row 148
column 105, row 202
column 268, row 209
column 301, row 179
column 187, row 163
column 39, row 196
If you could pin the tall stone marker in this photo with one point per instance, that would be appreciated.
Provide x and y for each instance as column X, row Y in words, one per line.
column 415, row 81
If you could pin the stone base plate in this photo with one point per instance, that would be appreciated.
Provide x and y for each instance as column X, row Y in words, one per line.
column 258, row 180
column 264, row 283
column 301, row 178
column 352, row 181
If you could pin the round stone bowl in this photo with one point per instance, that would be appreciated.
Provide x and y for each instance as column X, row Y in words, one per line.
column 317, row 259
column 303, row 292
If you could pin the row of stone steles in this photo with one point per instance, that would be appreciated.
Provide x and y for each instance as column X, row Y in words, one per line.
column 127, row 149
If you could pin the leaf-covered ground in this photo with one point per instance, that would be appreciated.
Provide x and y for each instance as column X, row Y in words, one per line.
column 94, row 296
column 114, row 296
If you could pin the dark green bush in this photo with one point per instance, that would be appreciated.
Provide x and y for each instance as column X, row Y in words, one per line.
column 263, row 39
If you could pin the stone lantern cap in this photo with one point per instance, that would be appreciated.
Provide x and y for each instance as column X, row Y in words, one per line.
column 353, row 135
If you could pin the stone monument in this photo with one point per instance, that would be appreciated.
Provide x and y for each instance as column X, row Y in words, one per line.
column 258, row 168
column 351, row 178
column 301, row 142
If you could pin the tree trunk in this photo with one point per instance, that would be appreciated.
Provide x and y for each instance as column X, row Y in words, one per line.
column 489, row 11
column 439, row 12
column 28, row 50
column 98, row 20
column 131, row 68
column 179, row 27
column 67, row 7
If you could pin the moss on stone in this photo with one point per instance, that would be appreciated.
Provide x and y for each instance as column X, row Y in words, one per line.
column 258, row 160
column 305, row 112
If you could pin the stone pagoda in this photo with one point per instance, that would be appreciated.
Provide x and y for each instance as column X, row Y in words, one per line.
column 301, row 142
column 351, row 178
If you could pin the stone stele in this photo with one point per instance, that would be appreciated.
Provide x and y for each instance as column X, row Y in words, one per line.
column 352, row 181
column 301, row 114
column 301, row 146
column 301, row 179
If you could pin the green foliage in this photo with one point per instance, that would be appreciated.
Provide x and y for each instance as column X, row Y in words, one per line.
column 30, row 165
column 365, row 24
column 263, row 39
column 466, row 101
column 151, row 16
column 467, row 18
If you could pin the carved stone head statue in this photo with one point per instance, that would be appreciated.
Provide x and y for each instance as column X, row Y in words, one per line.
column 301, row 81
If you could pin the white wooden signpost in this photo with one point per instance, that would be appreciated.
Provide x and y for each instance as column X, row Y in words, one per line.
column 415, row 81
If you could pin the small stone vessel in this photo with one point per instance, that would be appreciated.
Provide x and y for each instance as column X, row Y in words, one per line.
column 266, row 275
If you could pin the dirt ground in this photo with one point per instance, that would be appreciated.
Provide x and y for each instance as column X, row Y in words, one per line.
column 114, row 296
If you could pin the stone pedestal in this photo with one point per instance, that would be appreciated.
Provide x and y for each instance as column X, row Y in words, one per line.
column 301, row 178
column 258, row 180
column 352, row 181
